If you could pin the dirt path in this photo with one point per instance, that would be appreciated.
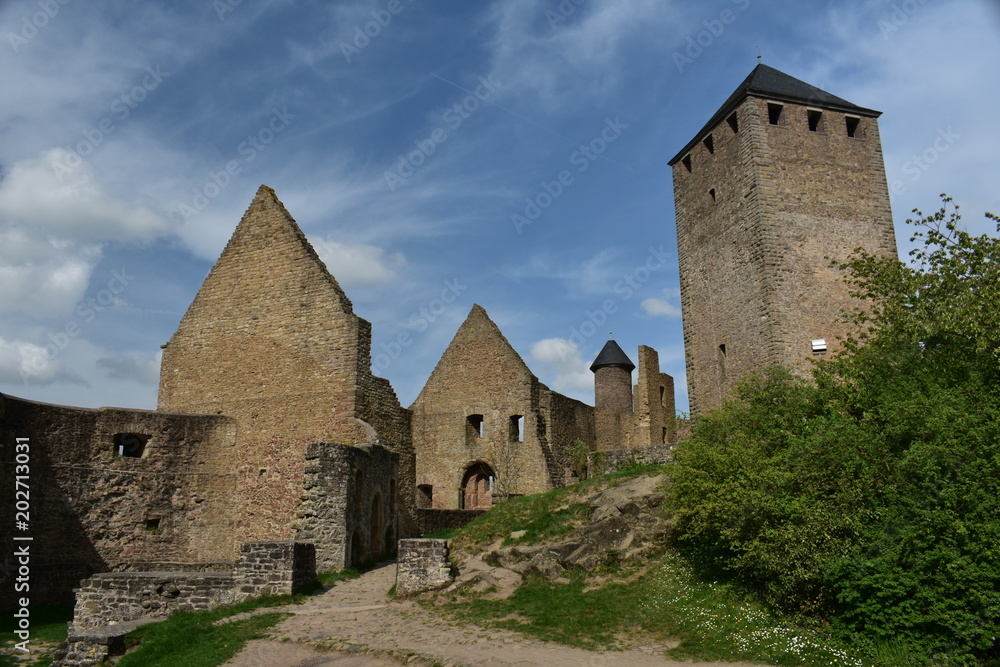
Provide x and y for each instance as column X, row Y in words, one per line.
column 363, row 627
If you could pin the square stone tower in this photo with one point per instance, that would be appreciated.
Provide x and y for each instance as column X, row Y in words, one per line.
column 784, row 180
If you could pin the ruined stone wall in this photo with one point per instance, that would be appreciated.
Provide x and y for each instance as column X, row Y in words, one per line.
column 654, row 402
column 93, row 510
column 760, row 214
column 422, row 565
column 566, row 421
column 350, row 503
column 430, row 521
column 479, row 374
column 272, row 341
column 600, row 463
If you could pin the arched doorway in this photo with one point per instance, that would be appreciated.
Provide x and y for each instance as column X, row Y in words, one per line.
column 477, row 487
column 357, row 548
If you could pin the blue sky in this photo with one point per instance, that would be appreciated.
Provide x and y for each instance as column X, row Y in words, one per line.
column 507, row 153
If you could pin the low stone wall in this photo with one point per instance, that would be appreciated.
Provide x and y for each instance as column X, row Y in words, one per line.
column 599, row 463
column 432, row 521
column 422, row 565
column 106, row 602
column 274, row 568
column 115, row 597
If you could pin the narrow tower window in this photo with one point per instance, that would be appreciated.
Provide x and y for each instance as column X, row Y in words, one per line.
column 711, row 193
column 663, row 396
column 815, row 119
column 722, row 362
column 687, row 162
column 774, row 113
column 734, row 122
column 709, row 144
column 852, row 125
column 475, row 423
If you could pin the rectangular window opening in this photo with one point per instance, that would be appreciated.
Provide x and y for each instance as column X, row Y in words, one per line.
column 152, row 525
column 663, row 397
column 852, row 125
column 687, row 162
column 774, row 113
column 475, row 423
column 709, row 144
column 815, row 120
column 425, row 495
column 663, row 438
column 722, row 361
column 130, row 445
column 517, row 428
column 734, row 122
column 712, row 194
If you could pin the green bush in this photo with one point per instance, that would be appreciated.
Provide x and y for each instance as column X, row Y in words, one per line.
column 869, row 497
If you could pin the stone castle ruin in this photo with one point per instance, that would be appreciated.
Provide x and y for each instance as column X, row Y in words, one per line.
column 274, row 449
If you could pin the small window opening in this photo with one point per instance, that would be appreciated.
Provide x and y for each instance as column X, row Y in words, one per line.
column 709, row 144
column 712, row 194
column 663, row 397
column 852, row 125
column 131, row 445
column 517, row 428
column 734, row 122
column 152, row 525
column 687, row 162
column 476, row 425
column 722, row 361
column 663, row 438
column 815, row 120
column 425, row 495
column 774, row 113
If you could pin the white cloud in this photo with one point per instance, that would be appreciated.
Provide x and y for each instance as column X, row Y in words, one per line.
column 563, row 358
column 58, row 193
column 25, row 363
column 662, row 307
column 359, row 265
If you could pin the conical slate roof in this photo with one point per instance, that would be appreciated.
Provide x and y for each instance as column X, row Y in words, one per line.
column 765, row 81
column 612, row 355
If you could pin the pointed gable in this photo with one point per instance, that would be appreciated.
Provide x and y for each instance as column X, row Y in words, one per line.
column 268, row 242
column 478, row 350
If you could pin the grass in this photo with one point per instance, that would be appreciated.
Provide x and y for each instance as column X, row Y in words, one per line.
column 712, row 621
column 48, row 626
column 662, row 600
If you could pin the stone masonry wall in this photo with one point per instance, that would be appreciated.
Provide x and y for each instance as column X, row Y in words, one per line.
column 350, row 503
column 422, row 565
column 272, row 340
column 601, row 463
column 480, row 375
column 760, row 216
column 93, row 510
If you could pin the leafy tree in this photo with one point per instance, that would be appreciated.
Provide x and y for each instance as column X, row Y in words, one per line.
column 870, row 496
